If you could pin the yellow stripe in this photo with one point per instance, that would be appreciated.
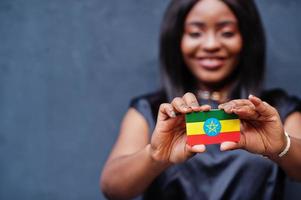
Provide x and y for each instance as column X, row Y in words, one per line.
column 196, row 128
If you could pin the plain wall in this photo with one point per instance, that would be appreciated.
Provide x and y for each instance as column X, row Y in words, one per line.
column 68, row 69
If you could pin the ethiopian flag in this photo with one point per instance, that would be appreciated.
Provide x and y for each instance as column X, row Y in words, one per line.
column 212, row 127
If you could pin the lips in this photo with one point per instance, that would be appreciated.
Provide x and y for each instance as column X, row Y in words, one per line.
column 211, row 63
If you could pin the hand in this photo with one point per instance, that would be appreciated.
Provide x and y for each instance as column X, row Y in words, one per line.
column 261, row 127
column 168, row 142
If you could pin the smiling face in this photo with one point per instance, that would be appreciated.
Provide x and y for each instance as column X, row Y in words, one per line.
column 211, row 42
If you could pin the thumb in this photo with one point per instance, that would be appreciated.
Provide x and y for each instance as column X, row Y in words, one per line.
column 226, row 146
column 262, row 108
column 200, row 148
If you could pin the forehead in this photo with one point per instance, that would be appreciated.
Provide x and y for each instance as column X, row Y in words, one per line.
column 210, row 11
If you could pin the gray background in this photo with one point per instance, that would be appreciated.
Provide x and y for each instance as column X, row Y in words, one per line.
column 68, row 69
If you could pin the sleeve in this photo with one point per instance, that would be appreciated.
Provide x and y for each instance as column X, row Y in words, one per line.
column 142, row 105
column 284, row 103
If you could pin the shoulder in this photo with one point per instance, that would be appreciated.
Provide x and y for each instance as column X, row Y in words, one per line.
column 152, row 98
column 282, row 101
column 148, row 105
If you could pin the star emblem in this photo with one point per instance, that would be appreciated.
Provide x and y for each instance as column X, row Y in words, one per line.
column 212, row 127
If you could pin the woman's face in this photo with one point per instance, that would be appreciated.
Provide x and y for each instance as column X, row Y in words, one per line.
column 211, row 41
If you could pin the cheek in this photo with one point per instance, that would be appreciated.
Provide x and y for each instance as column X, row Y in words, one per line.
column 234, row 46
column 188, row 46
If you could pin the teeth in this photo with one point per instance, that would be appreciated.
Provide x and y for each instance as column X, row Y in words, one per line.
column 211, row 62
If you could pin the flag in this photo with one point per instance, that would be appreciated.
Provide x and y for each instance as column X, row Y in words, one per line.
column 212, row 127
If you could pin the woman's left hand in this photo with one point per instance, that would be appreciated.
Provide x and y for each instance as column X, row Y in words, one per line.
column 261, row 127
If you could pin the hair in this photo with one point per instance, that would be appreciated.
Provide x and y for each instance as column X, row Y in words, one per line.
column 177, row 78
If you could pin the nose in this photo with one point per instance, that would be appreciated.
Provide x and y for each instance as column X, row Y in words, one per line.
column 211, row 43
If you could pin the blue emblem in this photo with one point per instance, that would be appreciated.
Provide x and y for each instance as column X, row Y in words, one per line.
column 212, row 127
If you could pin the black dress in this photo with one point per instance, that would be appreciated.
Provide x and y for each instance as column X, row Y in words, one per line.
column 214, row 175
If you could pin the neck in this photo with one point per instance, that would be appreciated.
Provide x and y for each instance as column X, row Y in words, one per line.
column 223, row 89
column 220, row 93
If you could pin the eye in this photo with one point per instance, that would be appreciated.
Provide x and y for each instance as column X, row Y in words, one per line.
column 195, row 34
column 228, row 34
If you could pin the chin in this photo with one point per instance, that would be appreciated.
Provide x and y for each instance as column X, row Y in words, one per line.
column 211, row 79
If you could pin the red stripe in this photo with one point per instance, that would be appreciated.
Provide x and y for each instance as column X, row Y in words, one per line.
column 205, row 139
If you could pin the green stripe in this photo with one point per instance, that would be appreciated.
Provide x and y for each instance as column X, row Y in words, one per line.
column 202, row 116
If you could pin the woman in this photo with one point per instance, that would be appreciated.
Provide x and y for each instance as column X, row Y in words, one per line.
column 211, row 51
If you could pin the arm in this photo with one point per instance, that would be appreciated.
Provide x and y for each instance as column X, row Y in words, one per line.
column 262, row 132
column 130, row 168
column 291, row 162
column 136, row 160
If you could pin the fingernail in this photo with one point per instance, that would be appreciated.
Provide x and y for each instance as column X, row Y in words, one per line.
column 194, row 105
column 199, row 148
column 222, row 147
column 172, row 114
column 228, row 107
column 185, row 107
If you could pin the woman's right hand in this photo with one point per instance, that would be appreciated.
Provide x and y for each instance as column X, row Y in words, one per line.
column 168, row 142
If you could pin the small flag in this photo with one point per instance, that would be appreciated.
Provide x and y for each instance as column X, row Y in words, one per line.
column 212, row 127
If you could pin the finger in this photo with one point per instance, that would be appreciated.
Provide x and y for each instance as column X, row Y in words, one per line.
column 166, row 111
column 234, row 104
column 205, row 108
column 191, row 101
column 200, row 148
column 228, row 145
column 263, row 108
column 246, row 112
column 244, row 108
column 180, row 106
